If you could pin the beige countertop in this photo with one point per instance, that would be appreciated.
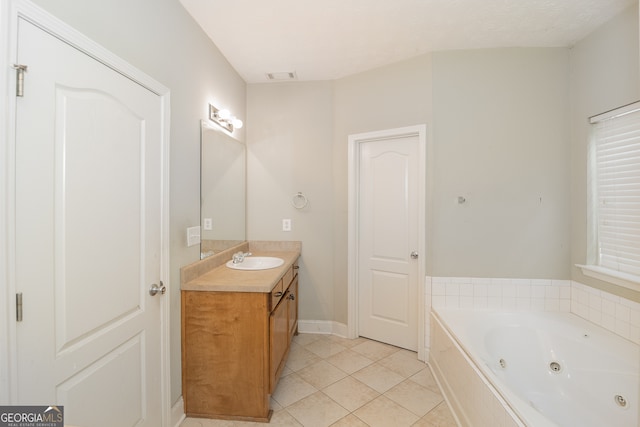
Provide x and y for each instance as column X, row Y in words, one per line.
column 225, row 279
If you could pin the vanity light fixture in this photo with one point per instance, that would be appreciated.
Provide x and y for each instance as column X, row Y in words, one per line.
column 224, row 118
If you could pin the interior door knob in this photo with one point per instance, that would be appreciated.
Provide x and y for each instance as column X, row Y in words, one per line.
column 155, row 289
column 414, row 255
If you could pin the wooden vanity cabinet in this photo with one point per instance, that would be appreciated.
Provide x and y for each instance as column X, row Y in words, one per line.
column 234, row 347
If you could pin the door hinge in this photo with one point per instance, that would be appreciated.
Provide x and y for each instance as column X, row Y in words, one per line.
column 19, row 306
column 20, row 70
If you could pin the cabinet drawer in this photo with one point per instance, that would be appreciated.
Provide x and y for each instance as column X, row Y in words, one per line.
column 276, row 293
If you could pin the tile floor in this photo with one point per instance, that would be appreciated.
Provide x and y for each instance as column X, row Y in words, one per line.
column 333, row 381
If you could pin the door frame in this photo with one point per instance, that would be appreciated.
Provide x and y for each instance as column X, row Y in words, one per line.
column 353, row 223
column 10, row 12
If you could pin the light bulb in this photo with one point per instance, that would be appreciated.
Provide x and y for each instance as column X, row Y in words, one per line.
column 224, row 114
column 237, row 123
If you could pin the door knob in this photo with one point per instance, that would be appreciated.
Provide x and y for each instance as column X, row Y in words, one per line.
column 155, row 289
column 414, row 255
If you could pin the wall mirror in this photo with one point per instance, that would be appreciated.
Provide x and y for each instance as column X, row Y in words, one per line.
column 222, row 190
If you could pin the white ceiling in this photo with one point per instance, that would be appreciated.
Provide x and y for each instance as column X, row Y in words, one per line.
column 329, row 39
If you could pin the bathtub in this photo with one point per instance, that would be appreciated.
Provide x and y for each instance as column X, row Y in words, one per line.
column 536, row 369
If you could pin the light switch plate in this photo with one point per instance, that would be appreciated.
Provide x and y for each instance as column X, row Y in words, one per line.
column 193, row 236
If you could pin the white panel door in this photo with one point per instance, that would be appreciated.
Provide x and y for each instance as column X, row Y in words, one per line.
column 387, row 237
column 88, row 237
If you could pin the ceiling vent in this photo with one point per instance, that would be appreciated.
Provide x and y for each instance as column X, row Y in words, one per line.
column 291, row 75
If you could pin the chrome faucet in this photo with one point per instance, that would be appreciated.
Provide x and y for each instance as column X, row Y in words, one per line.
column 238, row 257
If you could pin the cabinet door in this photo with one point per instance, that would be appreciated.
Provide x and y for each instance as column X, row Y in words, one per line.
column 292, row 301
column 224, row 354
column 279, row 338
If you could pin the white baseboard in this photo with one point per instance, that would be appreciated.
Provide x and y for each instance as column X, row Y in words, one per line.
column 177, row 413
column 326, row 327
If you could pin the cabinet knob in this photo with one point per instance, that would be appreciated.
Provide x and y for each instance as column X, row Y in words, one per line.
column 292, row 297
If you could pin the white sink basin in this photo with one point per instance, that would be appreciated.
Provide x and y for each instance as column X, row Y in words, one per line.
column 257, row 263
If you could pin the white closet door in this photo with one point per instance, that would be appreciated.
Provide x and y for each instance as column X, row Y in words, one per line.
column 387, row 237
column 88, row 237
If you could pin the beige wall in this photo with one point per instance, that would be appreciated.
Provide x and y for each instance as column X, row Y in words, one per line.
column 605, row 74
column 497, row 135
column 160, row 38
column 499, row 122
column 297, row 141
column 289, row 137
column 501, row 141
column 389, row 97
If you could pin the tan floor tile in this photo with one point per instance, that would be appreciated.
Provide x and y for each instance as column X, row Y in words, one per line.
column 412, row 396
column 286, row 371
column 191, row 422
column 351, row 393
column 346, row 342
column 205, row 422
column 384, row 412
column 349, row 361
column 321, row 374
column 374, row 350
column 281, row 419
column 317, row 410
column 292, row 388
column 350, row 421
column 327, row 376
column 299, row 357
column 404, row 363
column 425, row 379
column 304, row 339
column 325, row 348
column 438, row 417
column 378, row 377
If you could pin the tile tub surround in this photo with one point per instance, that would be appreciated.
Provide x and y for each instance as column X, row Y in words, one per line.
column 334, row 381
column 501, row 294
column 618, row 315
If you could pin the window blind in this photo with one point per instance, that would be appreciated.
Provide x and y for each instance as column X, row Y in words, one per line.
column 616, row 138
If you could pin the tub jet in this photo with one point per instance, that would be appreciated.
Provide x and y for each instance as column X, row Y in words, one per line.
column 555, row 366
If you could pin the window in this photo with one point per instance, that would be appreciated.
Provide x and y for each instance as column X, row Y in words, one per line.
column 614, row 211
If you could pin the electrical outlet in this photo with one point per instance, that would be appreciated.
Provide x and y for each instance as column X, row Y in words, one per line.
column 208, row 224
column 286, row 225
column 193, row 236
